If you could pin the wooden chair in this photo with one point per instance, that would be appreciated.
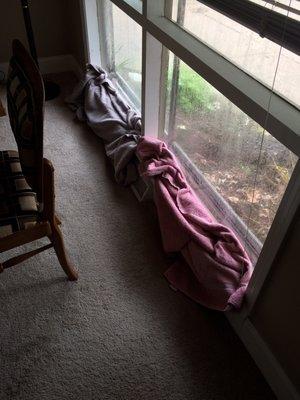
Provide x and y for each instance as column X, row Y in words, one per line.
column 27, row 210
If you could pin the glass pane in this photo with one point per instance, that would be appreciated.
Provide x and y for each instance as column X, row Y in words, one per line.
column 137, row 4
column 256, row 55
column 282, row 6
column 239, row 171
column 122, row 50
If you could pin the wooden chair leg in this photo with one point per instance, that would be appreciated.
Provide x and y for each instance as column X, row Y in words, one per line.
column 58, row 221
column 50, row 216
column 59, row 247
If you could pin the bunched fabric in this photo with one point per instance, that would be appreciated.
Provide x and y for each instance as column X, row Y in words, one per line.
column 97, row 102
column 214, row 269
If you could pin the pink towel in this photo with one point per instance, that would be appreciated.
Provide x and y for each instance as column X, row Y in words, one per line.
column 214, row 269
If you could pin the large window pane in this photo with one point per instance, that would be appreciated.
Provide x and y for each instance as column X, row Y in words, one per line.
column 239, row 171
column 256, row 55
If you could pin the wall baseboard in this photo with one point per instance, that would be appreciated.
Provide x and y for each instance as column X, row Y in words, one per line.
column 53, row 65
column 271, row 369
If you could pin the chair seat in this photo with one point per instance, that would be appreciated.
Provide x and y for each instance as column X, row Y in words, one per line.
column 18, row 204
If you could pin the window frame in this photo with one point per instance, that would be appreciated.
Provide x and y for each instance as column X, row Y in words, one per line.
column 279, row 117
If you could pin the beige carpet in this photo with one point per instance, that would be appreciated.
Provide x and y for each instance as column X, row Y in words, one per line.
column 119, row 332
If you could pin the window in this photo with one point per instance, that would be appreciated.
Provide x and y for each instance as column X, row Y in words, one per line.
column 222, row 96
column 238, row 169
column 121, row 50
column 255, row 54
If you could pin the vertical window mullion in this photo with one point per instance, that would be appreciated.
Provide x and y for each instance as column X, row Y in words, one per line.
column 175, row 73
column 152, row 69
column 144, row 60
column 152, row 59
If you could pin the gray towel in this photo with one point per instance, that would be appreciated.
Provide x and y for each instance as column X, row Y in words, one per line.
column 97, row 102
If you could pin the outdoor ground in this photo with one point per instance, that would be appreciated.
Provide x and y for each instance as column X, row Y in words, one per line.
column 252, row 183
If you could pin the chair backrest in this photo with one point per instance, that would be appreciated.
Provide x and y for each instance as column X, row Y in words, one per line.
column 25, row 103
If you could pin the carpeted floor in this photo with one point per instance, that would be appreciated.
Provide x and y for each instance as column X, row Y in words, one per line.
column 119, row 332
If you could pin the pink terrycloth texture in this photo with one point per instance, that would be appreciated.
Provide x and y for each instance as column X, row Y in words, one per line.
column 214, row 269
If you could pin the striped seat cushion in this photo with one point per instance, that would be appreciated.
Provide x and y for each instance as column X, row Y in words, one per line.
column 18, row 205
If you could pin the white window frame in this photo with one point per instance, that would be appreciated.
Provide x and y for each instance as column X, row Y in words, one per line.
column 280, row 118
